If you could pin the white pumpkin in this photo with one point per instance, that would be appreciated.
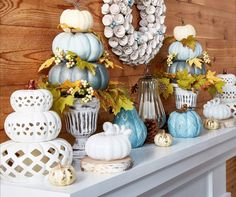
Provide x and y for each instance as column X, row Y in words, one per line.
column 232, row 107
column 181, row 32
column 76, row 20
column 163, row 139
column 62, row 175
column 215, row 110
column 31, row 100
column 31, row 162
column 109, row 145
column 32, row 126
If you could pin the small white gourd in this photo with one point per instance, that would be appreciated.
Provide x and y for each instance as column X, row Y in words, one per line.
column 181, row 32
column 109, row 145
column 62, row 175
column 163, row 139
column 76, row 20
column 215, row 110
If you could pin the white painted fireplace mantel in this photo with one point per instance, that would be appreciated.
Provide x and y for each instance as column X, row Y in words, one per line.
column 189, row 168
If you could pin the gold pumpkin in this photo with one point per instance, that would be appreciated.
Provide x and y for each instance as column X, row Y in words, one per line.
column 62, row 175
column 163, row 139
column 211, row 124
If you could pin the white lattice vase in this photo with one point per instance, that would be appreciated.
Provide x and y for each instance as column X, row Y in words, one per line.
column 31, row 162
column 81, row 122
column 185, row 97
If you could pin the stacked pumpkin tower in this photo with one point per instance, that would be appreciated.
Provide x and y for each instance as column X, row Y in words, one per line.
column 34, row 149
column 85, row 45
column 184, row 55
column 78, row 58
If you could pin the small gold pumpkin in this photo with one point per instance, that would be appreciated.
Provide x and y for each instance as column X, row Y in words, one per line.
column 163, row 139
column 62, row 175
column 211, row 124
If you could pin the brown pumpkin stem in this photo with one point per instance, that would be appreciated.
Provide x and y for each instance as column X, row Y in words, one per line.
column 74, row 2
column 31, row 85
column 183, row 109
column 225, row 71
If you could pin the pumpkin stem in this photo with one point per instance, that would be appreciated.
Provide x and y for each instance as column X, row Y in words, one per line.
column 183, row 109
column 31, row 85
column 74, row 2
column 225, row 71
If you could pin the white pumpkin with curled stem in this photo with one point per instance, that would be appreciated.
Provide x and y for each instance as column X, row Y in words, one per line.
column 183, row 32
column 112, row 144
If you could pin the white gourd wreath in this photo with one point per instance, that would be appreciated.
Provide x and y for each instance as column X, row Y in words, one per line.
column 134, row 47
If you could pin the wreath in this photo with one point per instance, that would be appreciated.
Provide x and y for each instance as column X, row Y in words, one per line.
column 134, row 47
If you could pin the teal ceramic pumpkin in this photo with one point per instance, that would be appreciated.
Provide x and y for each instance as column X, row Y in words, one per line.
column 86, row 45
column 60, row 73
column 182, row 65
column 184, row 52
column 185, row 125
column 130, row 119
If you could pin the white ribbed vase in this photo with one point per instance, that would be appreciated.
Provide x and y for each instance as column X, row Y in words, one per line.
column 185, row 97
column 81, row 122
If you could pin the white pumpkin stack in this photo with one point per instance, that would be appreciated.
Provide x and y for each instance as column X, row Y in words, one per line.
column 33, row 149
column 229, row 92
column 108, row 152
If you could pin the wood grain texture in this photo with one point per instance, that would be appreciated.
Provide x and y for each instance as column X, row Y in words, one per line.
column 27, row 28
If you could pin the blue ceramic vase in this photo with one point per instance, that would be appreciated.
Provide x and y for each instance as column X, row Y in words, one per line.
column 130, row 119
column 185, row 125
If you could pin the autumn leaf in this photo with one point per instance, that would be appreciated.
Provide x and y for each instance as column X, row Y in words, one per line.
column 63, row 102
column 46, row 64
column 65, row 26
column 165, row 87
column 211, row 77
column 190, row 42
column 169, row 40
column 83, row 64
column 195, row 61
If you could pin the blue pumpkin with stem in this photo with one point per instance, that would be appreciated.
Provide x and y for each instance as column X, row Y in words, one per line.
column 186, row 124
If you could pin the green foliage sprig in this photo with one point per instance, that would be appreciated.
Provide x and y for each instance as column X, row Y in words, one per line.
column 209, row 82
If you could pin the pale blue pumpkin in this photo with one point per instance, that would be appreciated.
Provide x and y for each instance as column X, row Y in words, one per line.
column 185, row 125
column 60, row 73
column 130, row 119
column 182, row 65
column 86, row 45
column 184, row 52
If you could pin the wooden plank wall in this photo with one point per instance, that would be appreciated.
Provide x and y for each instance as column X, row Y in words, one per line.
column 27, row 28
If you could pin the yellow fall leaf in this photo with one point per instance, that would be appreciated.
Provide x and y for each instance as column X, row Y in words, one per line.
column 195, row 61
column 46, row 64
column 212, row 78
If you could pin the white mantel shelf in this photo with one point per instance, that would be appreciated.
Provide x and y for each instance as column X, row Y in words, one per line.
column 191, row 167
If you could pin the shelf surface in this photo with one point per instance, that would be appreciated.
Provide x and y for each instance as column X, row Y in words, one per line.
column 147, row 160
